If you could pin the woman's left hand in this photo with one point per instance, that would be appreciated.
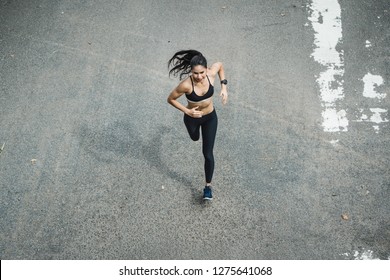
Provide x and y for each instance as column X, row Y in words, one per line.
column 224, row 96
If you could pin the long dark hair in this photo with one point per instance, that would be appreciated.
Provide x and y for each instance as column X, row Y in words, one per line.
column 183, row 61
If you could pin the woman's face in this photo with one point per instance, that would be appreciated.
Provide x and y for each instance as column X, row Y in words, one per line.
column 199, row 73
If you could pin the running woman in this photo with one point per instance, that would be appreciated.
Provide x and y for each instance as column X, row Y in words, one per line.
column 199, row 112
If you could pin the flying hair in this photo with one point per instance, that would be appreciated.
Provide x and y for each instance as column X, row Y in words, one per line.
column 182, row 62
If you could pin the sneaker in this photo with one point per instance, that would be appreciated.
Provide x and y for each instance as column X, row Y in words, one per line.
column 207, row 194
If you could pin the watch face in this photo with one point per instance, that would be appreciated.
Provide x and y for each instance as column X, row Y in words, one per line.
column 224, row 82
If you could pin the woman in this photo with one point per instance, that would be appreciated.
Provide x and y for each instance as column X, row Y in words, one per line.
column 199, row 112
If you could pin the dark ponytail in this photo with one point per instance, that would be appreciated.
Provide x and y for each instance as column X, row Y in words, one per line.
column 183, row 61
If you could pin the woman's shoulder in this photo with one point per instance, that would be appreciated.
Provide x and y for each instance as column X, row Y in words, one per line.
column 214, row 68
column 185, row 85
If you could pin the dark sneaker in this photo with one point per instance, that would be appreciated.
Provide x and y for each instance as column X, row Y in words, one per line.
column 207, row 194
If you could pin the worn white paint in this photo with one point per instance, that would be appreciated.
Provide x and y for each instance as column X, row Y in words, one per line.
column 371, row 83
column 326, row 21
column 376, row 116
column 334, row 120
column 365, row 255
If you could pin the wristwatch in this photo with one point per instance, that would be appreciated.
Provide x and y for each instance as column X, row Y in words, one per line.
column 224, row 82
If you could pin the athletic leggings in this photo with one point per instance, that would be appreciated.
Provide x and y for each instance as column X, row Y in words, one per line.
column 209, row 125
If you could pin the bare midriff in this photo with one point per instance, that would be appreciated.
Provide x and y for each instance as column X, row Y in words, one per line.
column 206, row 106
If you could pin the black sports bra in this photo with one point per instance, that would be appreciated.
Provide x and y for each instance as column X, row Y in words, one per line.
column 194, row 98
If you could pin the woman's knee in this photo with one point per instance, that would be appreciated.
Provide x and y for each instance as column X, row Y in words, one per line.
column 208, row 156
column 195, row 136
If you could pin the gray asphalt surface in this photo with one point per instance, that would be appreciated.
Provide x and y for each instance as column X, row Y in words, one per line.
column 96, row 164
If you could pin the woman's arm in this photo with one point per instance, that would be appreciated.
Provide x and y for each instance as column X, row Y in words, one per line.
column 175, row 94
column 217, row 68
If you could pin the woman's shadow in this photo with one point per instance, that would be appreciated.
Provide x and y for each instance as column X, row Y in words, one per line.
column 120, row 140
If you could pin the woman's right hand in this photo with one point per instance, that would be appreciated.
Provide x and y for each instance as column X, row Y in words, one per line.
column 194, row 113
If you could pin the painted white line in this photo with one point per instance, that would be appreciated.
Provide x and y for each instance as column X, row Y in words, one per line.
column 326, row 21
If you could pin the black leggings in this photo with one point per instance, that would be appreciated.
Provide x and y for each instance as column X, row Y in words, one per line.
column 209, row 125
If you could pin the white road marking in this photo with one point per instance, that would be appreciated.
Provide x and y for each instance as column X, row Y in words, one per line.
column 325, row 19
column 326, row 22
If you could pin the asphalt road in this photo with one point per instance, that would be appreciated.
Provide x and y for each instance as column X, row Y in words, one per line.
column 97, row 165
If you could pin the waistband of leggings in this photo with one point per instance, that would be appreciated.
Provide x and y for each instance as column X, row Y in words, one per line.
column 207, row 116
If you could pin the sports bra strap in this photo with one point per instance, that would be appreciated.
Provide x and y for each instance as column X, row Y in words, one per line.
column 192, row 81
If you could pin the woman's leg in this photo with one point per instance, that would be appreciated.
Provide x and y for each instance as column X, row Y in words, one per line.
column 209, row 131
column 193, row 127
